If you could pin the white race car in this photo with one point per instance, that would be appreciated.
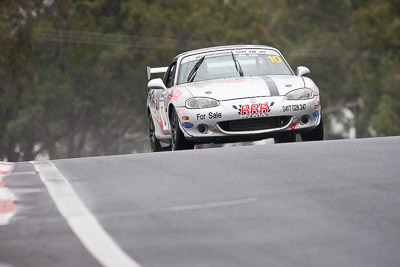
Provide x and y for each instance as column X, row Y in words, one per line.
column 231, row 93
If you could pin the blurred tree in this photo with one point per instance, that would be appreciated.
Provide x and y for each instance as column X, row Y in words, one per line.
column 17, row 19
column 72, row 72
column 376, row 30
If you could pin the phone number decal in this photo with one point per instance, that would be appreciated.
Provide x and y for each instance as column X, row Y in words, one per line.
column 297, row 107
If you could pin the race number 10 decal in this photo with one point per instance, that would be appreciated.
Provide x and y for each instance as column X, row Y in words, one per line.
column 275, row 59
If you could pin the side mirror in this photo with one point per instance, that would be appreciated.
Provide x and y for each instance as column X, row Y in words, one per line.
column 156, row 84
column 302, row 71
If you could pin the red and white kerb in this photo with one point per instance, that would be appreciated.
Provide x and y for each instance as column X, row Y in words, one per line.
column 7, row 198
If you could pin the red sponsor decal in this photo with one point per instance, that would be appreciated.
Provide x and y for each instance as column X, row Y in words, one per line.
column 180, row 110
column 175, row 94
column 159, row 122
column 292, row 126
column 254, row 110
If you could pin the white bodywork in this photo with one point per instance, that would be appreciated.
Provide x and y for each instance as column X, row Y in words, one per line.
column 241, row 100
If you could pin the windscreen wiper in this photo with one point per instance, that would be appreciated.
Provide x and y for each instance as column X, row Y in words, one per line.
column 193, row 72
column 237, row 65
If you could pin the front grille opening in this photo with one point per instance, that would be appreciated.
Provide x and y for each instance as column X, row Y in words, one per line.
column 255, row 124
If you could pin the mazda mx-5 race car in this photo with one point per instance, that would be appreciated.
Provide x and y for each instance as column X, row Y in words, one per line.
column 231, row 93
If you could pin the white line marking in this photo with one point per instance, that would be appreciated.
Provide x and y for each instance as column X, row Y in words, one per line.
column 211, row 205
column 193, row 207
column 82, row 222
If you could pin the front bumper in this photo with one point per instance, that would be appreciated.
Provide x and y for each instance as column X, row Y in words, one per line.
column 250, row 119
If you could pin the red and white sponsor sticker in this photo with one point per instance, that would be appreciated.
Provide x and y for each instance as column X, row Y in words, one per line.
column 175, row 94
column 180, row 110
column 7, row 198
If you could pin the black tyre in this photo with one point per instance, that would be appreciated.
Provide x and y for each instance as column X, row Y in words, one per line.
column 155, row 145
column 178, row 140
column 286, row 138
column 315, row 135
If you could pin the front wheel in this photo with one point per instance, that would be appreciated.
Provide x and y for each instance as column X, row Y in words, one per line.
column 315, row 135
column 178, row 140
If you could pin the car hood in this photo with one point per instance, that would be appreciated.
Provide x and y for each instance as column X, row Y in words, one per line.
column 245, row 87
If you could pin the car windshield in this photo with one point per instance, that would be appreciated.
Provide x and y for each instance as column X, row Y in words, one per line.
column 219, row 65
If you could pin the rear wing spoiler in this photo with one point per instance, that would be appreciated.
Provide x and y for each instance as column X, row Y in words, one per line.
column 155, row 70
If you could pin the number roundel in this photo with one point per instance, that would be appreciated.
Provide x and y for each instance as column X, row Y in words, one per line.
column 275, row 59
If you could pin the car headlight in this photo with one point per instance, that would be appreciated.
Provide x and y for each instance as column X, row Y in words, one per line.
column 201, row 103
column 300, row 94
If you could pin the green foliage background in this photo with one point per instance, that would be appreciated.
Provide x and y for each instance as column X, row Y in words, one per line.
column 73, row 73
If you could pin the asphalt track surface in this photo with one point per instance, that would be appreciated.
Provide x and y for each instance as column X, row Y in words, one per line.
column 330, row 203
